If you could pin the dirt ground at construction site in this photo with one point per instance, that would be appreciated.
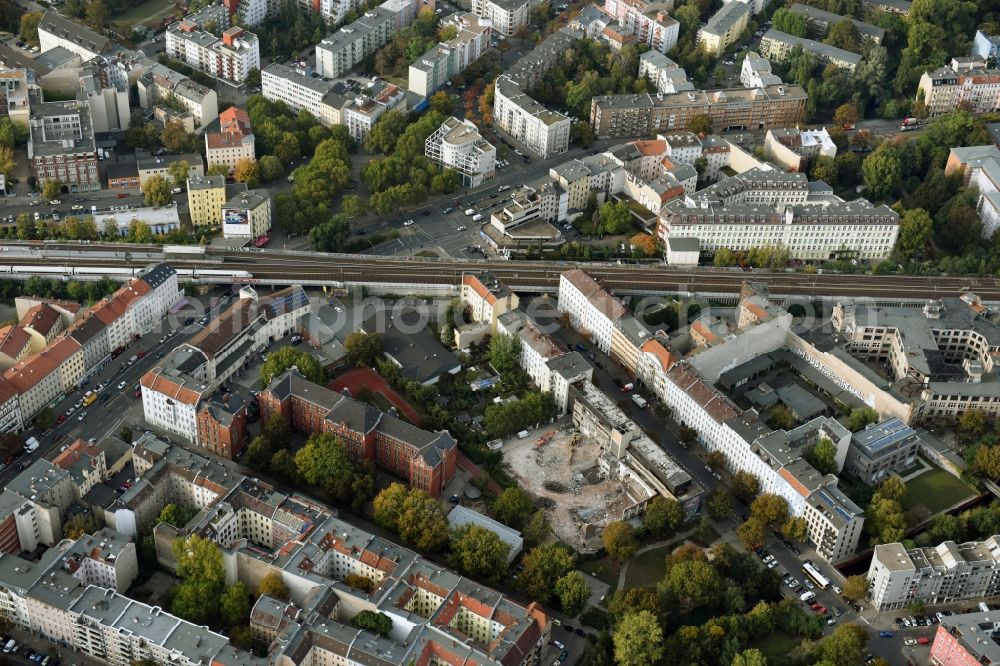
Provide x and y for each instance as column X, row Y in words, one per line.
column 563, row 474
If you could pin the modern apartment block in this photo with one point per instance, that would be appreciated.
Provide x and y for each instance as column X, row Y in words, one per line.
column 542, row 131
column 229, row 57
column 55, row 31
column 755, row 72
column 777, row 46
column 643, row 114
column 601, row 175
column 506, row 16
column 458, row 145
column 297, row 90
column 361, row 112
column 945, row 573
column 247, row 215
column 206, row 196
column 14, row 95
column 821, row 21
column 881, row 449
column 443, row 61
column 794, row 149
column 724, row 27
column 947, row 349
column 665, row 74
column 62, row 147
column 648, row 22
column 426, row 460
column 338, row 53
column 233, row 142
column 809, row 232
column 969, row 83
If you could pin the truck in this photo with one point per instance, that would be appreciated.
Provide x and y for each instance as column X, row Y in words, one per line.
column 807, row 596
column 639, row 401
column 89, row 398
column 31, row 445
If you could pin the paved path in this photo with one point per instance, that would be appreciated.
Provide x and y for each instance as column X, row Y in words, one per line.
column 676, row 539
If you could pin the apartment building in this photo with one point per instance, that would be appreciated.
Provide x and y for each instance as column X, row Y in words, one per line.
column 882, row 449
column 62, row 147
column 590, row 308
column 967, row 639
column 531, row 67
column 945, row 573
column 55, row 31
column 426, row 460
column 14, row 95
column 222, row 425
column 298, row 91
column 542, row 131
column 458, row 145
column 105, row 558
column 777, row 46
column 724, row 27
column 981, row 169
column 37, row 498
column 443, row 61
column 229, row 57
column 970, row 84
column 233, row 142
column 755, row 72
column 809, row 232
column 15, row 345
column 647, row 22
column 206, row 197
column 601, row 175
column 794, row 149
column 247, row 215
column 985, row 47
column 486, row 297
column 665, row 74
column 42, row 323
column 362, row 111
column 506, row 16
column 170, row 400
column 86, row 464
column 158, row 83
column 643, row 114
column 821, row 21
column 949, row 351
column 341, row 51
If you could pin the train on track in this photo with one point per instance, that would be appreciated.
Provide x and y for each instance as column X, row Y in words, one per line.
column 90, row 272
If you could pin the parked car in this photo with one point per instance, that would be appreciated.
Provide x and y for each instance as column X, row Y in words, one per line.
column 886, row 634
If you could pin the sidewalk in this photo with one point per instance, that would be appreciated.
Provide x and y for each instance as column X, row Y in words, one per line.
column 38, row 644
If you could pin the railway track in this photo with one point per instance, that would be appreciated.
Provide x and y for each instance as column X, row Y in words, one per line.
column 289, row 267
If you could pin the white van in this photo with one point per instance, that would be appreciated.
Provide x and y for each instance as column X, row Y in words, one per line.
column 477, row 217
column 470, row 211
column 808, row 595
column 524, row 434
column 9, row 647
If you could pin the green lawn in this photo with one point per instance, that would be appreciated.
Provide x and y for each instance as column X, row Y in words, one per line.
column 778, row 648
column 147, row 12
column 647, row 569
column 936, row 490
column 604, row 569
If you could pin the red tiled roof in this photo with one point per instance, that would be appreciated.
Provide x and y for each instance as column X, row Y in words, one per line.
column 477, row 286
column 651, row 147
column 41, row 318
column 790, row 478
column 662, row 354
column 154, row 380
column 7, row 391
column 13, row 340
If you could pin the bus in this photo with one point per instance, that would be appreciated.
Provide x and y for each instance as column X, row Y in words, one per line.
column 815, row 576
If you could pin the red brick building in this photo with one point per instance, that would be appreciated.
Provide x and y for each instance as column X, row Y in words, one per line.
column 222, row 425
column 425, row 459
column 967, row 639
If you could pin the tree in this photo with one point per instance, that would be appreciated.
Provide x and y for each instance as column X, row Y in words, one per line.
column 638, row 640
column 541, row 568
column 616, row 218
column 7, row 165
column 795, row 528
column 97, row 14
column 846, row 114
column 644, row 243
column 246, row 170
column 175, row 515
column 751, row 657
column 175, row 138
column 662, row 516
column 770, row 509
column 389, row 504
column 360, row 582
column 178, row 172
column 916, row 228
column 323, row 460
column 537, row 529
column 573, row 592
column 378, row 623
column 218, row 169
column 856, row 587
column 274, row 585
column 844, row 35
column 823, row 456
column 632, row 600
column 156, row 191
column 882, row 171
column 270, row 167
column 986, row 461
column 700, row 124
column 234, row 606
column 781, row 418
column 513, row 506
column 51, row 189
column 504, row 353
column 716, row 459
column 200, row 568
column 620, row 540
column 745, row 486
column 286, row 357
column 442, row 102
column 139, row 232
column 861, row 418
column 386, row 132
column 79, row 524
column 972, row 422
column 791, row 22
column 353, row 206
column 362, row 348
column 692, row 583
column 29, row 27
column 478, row 551
column 751, row 533
column 846, row 645
column 417, row 518
column 719, row 504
